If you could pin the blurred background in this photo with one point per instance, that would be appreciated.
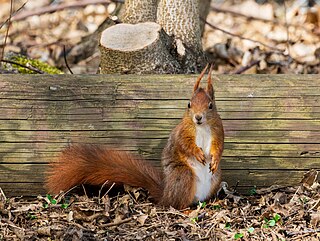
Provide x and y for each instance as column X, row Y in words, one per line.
column 241, row 36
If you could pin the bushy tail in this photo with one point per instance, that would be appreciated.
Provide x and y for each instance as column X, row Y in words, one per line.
column 92, row 164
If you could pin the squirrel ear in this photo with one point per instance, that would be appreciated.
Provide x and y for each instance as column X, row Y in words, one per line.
column 210, row 90
column 196, row 85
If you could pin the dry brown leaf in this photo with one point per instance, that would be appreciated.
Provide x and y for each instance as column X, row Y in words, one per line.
column 142, row 219
column 309, row 178
column 315, row 219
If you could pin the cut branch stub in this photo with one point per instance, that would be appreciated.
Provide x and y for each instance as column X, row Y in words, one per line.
column 136, row 48
column 139, row 11
column 180, row 19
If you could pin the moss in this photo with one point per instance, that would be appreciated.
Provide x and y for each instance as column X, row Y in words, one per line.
column 44, row 67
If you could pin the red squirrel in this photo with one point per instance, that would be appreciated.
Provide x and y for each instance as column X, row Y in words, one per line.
column 190, row 160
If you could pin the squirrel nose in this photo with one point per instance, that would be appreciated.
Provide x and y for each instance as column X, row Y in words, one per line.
column 198, row 117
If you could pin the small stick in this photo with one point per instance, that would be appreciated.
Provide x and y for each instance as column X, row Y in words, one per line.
column 241, row 37
column 108, row 190
column 244, row 68
column 236, row 186
column 54, row 8
column 13, row 14
column 2, row 194
column 7, row 32
column 116, row 223
column 238, row 14
column 65, row 59
column 30, row 67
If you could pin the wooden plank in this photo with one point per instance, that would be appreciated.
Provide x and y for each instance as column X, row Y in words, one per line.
column 246, row 178
column 241, row 136
column 271, row 122
column 156, row 145
column 106, row 122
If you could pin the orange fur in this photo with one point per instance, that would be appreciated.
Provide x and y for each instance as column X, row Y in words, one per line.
column 91, row 164
column 174, row 185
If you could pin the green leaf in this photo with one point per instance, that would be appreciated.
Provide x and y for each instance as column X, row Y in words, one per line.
column 49, row 197
column 45, row 205
column 276, row 217
column 216, row 207
column 202, row 204
column 251, row 229
column 194, row 220
column 271, row 223
column 65, row 205
column 253, row 191
column 238, row 236
column 31, row 217
column 227, row 226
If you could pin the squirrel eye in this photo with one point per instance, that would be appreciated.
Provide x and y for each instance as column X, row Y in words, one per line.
column 189, row 105
column 210, row 105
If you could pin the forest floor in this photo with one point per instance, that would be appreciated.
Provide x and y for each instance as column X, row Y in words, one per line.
column 275, row 213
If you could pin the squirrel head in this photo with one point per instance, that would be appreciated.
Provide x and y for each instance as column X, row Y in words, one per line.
column 201, row 106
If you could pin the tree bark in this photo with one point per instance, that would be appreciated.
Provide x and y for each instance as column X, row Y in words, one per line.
column 180, row 19
column 181, row 44
column 204, row 9
column 139, row 11
column 136, row 48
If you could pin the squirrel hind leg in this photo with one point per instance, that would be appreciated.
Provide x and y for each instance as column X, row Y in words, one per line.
column 180, row 187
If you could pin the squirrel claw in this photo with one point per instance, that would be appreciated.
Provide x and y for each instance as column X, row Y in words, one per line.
column 213, row 166
column 200, row 156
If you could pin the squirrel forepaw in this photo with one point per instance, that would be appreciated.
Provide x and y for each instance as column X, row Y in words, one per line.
column 213, row 165
column 200, row 156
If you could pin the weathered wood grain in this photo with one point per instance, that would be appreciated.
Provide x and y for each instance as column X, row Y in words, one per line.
column 272, row 123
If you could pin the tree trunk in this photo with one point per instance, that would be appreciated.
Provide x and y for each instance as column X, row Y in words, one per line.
column 177, row 51
column 204, row 9
column 136, row 48
column 139, row 11
column 180, row 19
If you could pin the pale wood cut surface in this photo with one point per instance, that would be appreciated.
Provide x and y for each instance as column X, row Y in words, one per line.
column 272, row 123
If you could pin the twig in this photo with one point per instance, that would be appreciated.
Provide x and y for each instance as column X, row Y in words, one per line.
column 209, row 231
column 84, row 190
column 13, row 14
column 65, row 59
column 116, row 223
column 174, row 213
column 8, row 222
column 236, row 186
column 7, row 32
column 274, row 21
column 286, row 25
column 2, row 194
column 241, row 37
column 109, row 190
column 316, row 204
column 244, row 68
column 309, row 231
column 30, row 67
column 54, row 8
column 61, row 195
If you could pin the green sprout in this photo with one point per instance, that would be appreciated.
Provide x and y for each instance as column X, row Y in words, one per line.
column 238, row 236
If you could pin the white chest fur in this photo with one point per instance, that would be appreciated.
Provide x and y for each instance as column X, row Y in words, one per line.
column 204, row 176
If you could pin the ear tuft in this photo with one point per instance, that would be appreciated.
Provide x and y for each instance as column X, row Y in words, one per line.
column 210, row 90
column 196, row 85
